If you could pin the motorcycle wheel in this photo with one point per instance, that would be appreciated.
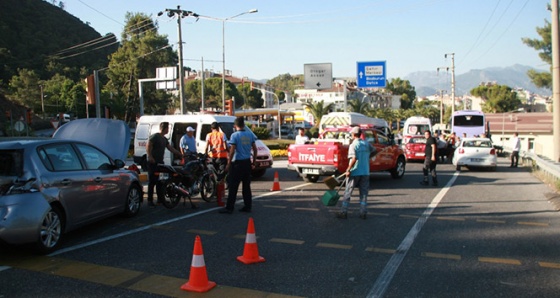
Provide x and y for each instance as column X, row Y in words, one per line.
column 170, row 197
column 207, row 188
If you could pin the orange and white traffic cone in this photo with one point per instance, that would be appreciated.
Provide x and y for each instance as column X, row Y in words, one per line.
column 276, row 185
column 198, row 278
column 251, row 251
column 221, row 193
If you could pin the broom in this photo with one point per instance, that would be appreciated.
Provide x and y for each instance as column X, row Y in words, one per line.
column 332, row 182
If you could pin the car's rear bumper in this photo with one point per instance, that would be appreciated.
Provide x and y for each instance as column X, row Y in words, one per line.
column 319, row 170
column 21, row 217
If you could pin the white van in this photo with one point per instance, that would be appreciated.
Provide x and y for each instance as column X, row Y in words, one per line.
column 148, row 125
column 348, row 118
column 415, row 126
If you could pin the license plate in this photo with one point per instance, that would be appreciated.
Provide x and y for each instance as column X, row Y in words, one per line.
column 477, row 159
column 163, row 176
column 419, row 154
column 310, row 171
column 264, row 164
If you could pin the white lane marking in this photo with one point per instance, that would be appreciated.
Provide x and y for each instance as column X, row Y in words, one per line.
column 100, row 240
column 384, row 279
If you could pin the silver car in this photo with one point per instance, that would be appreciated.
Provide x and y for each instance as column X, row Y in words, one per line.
column 52, row 186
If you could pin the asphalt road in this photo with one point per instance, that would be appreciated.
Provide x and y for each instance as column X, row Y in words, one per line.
column 479, row 234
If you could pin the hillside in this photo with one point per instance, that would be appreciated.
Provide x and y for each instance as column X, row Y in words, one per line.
column 429, row 82
column 33, row 31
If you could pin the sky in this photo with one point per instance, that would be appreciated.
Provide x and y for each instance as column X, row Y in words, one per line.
column 283, row 36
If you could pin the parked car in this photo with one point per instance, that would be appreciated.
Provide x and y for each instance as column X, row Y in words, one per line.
column 414, row 149
column 51, row 186
column 475, row 152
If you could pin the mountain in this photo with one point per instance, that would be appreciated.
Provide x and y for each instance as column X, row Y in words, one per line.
column 430, row 82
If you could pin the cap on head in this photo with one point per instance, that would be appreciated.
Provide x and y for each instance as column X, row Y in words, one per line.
column 355, row 131
column 190, row 129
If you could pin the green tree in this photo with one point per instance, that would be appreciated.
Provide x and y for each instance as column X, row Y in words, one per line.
column 358, row 105
column 286, row 83
column 544, row 46
column 397, row 86
column 25, row 89
column 318, row 109
column 142, row 50
column 498, row 98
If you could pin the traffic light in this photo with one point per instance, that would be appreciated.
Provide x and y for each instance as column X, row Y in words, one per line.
column 228, row 109
column 28, row 115
column 90, row 90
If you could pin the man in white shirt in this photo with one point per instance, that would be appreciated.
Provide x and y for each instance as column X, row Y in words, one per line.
column 515, row 147
column 301, row 138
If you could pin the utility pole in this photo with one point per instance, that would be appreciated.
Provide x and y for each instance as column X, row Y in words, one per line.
column 452, row 80
column 180, row 14
column 555, row 82
column 441, row 107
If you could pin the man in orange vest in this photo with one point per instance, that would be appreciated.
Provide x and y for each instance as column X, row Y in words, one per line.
column 217, row 149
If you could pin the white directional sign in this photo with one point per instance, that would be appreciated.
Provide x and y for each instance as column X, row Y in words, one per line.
column 169, row 74
column 318, row 76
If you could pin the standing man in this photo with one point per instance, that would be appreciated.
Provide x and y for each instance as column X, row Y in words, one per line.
column 430, row 159
column 155, row 150
column 301, row 138
column 357, row 174
column 239, row 166
column 515, row 147
column 188, row 142
column 216, row 148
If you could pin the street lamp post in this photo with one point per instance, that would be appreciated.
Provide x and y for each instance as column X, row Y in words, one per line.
column 224, row 53
column 180, row 14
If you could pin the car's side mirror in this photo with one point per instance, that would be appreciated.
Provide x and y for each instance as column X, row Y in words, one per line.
column 119, row 163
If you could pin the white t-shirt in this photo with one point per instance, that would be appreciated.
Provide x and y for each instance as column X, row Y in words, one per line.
column 301, row 139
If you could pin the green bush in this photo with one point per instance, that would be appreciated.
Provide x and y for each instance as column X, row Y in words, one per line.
column 261, row 132
column 313, row 132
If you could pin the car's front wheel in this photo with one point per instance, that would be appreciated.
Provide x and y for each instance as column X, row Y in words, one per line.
column 400, row 168
column 133, row 200
column 50, row 232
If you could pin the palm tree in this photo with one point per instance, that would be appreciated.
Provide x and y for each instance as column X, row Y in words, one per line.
column 359, row 106
column 318, row 109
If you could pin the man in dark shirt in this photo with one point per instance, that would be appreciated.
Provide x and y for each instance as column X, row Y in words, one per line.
column 155, row 150
column 430, row 159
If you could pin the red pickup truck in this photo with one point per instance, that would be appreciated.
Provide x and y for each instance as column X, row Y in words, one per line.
column 329, row 154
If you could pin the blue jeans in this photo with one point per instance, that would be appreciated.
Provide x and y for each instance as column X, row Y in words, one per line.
column 240, row 172
column 362, row 182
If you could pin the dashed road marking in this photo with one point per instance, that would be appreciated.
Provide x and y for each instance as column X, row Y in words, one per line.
column 499, row 261
column 549, row 265
column 334, row 245
column 381, row 250
column 288, row 241
column 306, row 209
column 409, row 216
column 441, row 256
column 450, row 218
column 275, row 206
column 491, row 221
column 528, row 223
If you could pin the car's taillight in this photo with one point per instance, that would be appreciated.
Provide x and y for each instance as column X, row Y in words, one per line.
column 461, row 150
column 493, row 151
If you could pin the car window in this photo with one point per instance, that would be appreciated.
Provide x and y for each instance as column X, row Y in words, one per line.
column 382, row 139
column 369, row 137
column 142, row 131
column 95, row 159
column 60, row 157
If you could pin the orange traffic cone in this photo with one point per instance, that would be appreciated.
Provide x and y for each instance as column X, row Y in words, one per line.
column 276, row 185
column 198, row 278
column 251, row 251
column 221, row 193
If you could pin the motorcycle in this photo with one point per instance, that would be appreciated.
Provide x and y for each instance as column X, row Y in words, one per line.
column 185, row 181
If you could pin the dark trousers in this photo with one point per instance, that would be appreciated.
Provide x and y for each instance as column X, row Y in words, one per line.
column 240, row 172
column 152, row 181
column 514, row 158
column 430, row 168
column 220, row 165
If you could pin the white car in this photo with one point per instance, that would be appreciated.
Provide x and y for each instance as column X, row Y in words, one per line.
column 475, row 152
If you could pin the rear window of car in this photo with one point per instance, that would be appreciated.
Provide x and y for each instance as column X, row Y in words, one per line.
column 11, row 162
column 418, row 141
column 478, row 144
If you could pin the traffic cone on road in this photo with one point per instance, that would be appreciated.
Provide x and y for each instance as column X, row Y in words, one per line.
column 276, row 185
column 198, row 278
column 251, row 251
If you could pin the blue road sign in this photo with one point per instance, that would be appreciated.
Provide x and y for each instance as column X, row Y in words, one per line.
column 371, row 74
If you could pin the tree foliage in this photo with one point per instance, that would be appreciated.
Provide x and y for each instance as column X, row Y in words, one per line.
column 141, row 52
column 286, row 83
column 498, row 98
column 397, row 86
column 318, row 109
column 544, row 46
column 358, row 105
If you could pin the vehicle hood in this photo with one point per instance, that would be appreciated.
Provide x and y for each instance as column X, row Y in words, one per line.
column 262, row 149
column 111, row 136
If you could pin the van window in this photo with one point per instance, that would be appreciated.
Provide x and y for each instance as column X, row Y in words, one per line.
column 205, row 130
column 142, row 131
column 227, row 128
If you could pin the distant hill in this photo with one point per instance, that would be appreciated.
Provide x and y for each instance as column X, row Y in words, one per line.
column 429, row 82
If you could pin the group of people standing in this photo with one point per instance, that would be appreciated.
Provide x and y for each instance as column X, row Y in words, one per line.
column 231, row 157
